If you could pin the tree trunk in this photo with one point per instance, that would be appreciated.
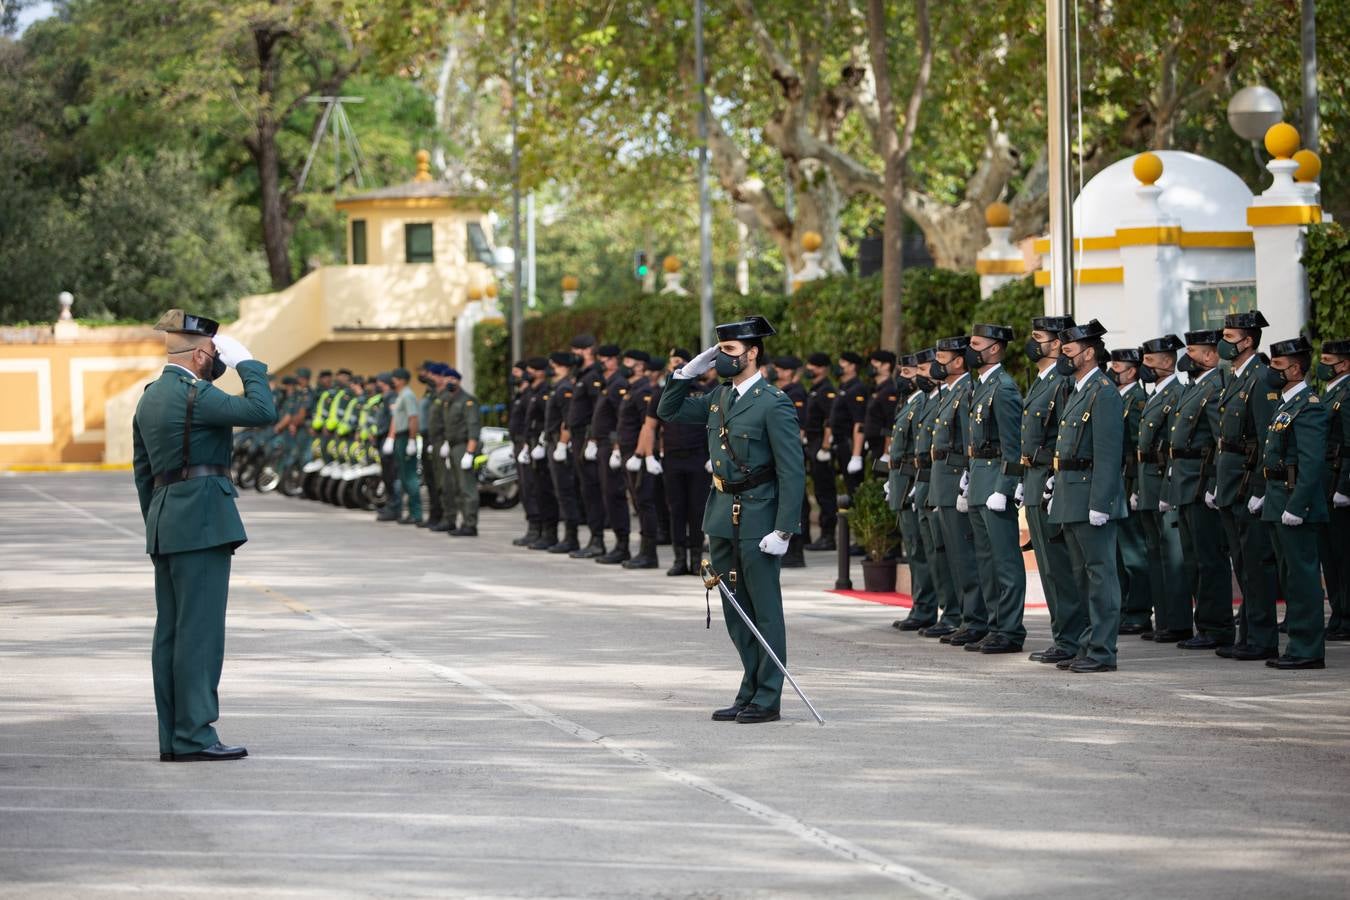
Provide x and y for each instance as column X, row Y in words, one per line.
column 276, row 228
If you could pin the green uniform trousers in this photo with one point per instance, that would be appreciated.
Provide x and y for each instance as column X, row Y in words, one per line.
column 1334, row 544
column 1171, row 599
column 925, row 608
column 759, row 594
column 945, row 596
column 435, row 475
column 189, row 645
column 1201, row 532
column 959, row 541
column 1254, row 564
column 1052, row 560
column 459, row 489
column 1296, row 551
column 1003, row 577
column 1136, row 573
column 1092, row 612
column 407, row 476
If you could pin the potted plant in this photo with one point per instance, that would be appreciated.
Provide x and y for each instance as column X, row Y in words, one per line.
column 872, row 523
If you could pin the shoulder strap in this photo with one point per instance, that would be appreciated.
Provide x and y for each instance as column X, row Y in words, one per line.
column 187, row 430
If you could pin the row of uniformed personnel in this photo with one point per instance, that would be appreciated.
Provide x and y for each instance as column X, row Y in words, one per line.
column 1141, row 503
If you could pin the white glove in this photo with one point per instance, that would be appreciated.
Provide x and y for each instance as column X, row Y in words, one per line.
column 1097, row 519
column 591, row 453
column 654, row 466
column 823, row 454
column 698, row 365
column 466, row 461
column 962, row 504
column 414, row 447
column 523, row 457
column 1288, row 518
column 1164, row 506
column 997, row 501
column 1209, row 501
column 387, row 448
column 445, row 449
column 773, row 545
column 1049, row 488
column 886, row 488
column 634, row 463
column 965, row 481
column 560, row 452
column 232, row 353
column 1254, row 505
column 616, row 460
column 1339, row 500
column 1020, row 494
column 707, row 465
column 537, row 451
column 1049, row 504
column 910, row 496
column 1134, row 501
column 854, row 465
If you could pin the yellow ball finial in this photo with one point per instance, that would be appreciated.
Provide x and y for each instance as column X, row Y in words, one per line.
column 570, row 283
column 998, row 215
column 1282, row 140
column 1148, row 168
column 671, row 264
column 475, row 292
column 491, row 289
column 811, row 241
column 423, row 166
column 1309, row 166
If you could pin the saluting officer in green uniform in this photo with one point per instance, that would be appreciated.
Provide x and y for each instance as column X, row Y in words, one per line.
column 900, row 494
column 1334, row 543
column 1162, row 535
column 1132, row 560
column 181, row 435
column 1292, row 457
column 1087, row 498
column 759, row 478
column 1246, row 405
column 461, row 426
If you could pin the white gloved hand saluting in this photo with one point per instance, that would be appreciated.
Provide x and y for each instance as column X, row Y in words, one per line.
column 773, row 544
column 654, row 466
column 823, row 454
column 997, row 501
column 854, row 465
column 698, row 365
column 1288, row 518
column 1254, row 505
column 445, row 449
column 634, row 463
column 560, row 452
column 1097, row 519
column 591, row 453
column 616, row 460
column 1209, row 500
column 387, row 448
column 538, row 452
column 232, row 353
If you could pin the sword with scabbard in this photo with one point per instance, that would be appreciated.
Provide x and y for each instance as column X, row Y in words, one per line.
column 712, row 580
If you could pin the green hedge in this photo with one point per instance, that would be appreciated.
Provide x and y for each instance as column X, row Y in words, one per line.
column 1327, row 260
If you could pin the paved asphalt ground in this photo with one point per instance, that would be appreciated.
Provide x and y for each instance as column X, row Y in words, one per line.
column 436, row 716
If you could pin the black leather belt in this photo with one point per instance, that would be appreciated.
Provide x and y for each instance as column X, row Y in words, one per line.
column 1243, row 447
column 1151, row 457
column 178, row 475
column 1072, row 465
column 1287, row 474
column 950, row 457
column 1186, row 453
column 1042, row 457
column 923, row 462
column 905, row 469
column 986, row 453
column 764, row 476
column 1014, row 469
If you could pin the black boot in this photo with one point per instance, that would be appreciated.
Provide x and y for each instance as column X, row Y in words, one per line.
column 662, row 536
column 646, row 558
column 795, row 558
column 618, row 554
column 529, row 537
column 569, row 543
column 548, row 536
column 681, row 566
column 595, row 548
column 696, row 557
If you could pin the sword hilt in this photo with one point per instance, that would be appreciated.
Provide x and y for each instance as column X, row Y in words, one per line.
column 710, row 578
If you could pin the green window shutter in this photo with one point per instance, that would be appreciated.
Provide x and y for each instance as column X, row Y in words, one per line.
column 359, row 242
column 417, row 241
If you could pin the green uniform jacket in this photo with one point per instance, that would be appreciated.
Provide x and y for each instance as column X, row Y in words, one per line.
column 923, row 449
column 436, row 427
column 950, row 428
column 1337, row 402
column 1091, row 427
column 459, row 419
column 1040, row 426
column 1154, row 431
column 762, row 432
column 995, row 423
column 1134, row 401
column 1296, row 438
column 1246, row 407
column 197, row 513
column 1194, row 427
column 904, row 436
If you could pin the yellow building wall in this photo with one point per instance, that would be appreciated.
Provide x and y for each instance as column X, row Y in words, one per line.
column 373, row 357
column 386, row 244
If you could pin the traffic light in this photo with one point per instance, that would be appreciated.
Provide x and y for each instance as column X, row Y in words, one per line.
column 640, row 264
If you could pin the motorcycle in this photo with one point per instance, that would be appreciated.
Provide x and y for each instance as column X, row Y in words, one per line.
column 495, row 469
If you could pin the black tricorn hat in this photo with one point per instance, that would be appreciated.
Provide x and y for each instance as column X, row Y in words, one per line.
column 1252, row 319
column 1129, row 355
column 993, row 332
column 1290, row 347
column 1093, row 329
column 1052, row 324
column 954, row 344
column 1336, row 348
column 1206, row 336
column 787, row 362
column 926, row 355
column 750, row 328
column 176, row 321
column 1168, row 343
column 909, row 361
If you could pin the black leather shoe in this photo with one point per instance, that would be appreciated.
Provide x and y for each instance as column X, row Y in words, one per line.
column 910, row 624
column 966, row 636
column 1171, row 637
column 386, row 517
column 1248, row 653
column 1086, row 666
column 1133, row 628
column 754, row 714
column 1340, row 634
column 1293, row 662
column 1148, row 635
column 1051, row 655
column 1201, row 642
column 409, row 520
column 1226, row 652
column 440, row 526
column 727, row 715
column 620, row 554
column 997, row 643
column 217, row 752
column 465, row 531
column 1065, row 663
column 941, row 629
column 596, row 548
column 165, row 757
column 825, row 543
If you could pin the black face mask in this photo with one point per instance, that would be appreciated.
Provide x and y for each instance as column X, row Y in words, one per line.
column 217, row 368
column 1325, row 372
column 1034, row 351
column 937, row 371
column 1189, row 366
column 1117, row 378
column 1228, row 351
column 1068, row 365
column 728, row 366
column 974, row 358
column 1276, row 378
column 924, row 383
column 904, row 385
